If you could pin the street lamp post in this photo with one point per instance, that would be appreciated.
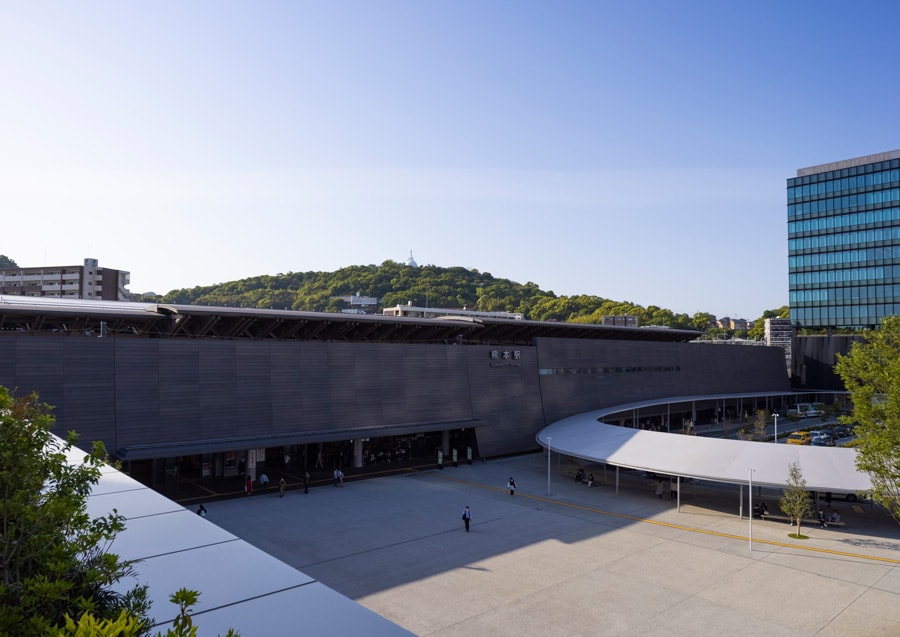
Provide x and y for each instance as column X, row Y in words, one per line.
column 549, row 441
column 776, row 426
column 750, row 517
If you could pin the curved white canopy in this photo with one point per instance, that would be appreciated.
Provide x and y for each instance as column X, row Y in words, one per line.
column 719, row 460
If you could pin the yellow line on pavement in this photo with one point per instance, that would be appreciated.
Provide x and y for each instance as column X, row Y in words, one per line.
column 680, row 527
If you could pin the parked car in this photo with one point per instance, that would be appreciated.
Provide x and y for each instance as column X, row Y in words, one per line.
column 823, row 439
column 799, row 438
column 841, row 431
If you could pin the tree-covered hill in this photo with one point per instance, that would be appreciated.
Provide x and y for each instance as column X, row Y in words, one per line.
column 428, row 286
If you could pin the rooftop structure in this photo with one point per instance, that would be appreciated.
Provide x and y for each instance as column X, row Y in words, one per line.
column 413, row 311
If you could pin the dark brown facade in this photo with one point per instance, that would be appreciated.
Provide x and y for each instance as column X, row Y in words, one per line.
column 158, row 398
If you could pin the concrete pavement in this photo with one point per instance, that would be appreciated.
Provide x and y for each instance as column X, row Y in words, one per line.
column 579, row 561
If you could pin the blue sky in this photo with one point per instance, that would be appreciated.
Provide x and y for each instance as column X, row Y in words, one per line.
column 634, row 151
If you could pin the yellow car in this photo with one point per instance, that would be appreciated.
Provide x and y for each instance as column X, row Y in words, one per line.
column 799, row 438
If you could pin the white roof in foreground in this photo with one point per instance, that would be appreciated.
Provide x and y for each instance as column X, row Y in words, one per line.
column 824, row 468
column 240, row 586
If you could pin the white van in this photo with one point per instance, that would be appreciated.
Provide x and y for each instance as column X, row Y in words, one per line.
column 806, row 410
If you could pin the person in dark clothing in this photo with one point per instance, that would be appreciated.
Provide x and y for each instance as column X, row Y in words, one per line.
column 467, row 517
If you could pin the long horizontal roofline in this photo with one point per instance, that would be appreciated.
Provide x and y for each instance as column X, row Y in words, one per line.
column 115, row 318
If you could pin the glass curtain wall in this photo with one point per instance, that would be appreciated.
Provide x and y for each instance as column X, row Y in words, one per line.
column 844, row 243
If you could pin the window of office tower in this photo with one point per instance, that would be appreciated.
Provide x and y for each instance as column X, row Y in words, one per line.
column 844, row 242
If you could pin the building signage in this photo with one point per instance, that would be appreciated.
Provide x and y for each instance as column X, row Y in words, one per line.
column 506, row 358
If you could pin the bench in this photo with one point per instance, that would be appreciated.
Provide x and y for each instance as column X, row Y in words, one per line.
column 806, row 521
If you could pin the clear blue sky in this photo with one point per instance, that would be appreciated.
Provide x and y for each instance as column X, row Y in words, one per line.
column 631, row 150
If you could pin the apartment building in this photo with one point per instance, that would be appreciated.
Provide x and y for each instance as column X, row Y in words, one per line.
column 87, row 281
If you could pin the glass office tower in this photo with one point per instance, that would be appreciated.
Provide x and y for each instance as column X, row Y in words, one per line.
column 844, row 242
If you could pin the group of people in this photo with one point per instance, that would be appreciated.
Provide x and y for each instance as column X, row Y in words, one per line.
column 824, row 520
column 282, row 483
column 581, row 478
column 673, row 488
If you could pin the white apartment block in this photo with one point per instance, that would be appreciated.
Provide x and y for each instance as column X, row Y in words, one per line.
column 780, row 333
column 88, row 281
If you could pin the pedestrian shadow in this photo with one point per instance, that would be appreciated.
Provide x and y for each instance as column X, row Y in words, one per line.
column 872, row 544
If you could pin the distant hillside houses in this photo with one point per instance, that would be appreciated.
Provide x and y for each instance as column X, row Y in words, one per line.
column 737, row 325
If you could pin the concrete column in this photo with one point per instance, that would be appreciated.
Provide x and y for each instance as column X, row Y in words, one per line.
column 250, row 455
column 445, row 442
column 357, row 453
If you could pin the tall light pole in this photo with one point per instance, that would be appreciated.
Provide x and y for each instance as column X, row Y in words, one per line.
column 549, row 442
column 750, row 489
column 776, row 426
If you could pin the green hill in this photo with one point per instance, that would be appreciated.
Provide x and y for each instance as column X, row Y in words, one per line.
column 430, row 286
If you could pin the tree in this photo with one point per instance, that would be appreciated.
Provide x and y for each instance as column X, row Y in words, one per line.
column 702, row 321
column 871, row 374
column 127, row 626
column 759, row 431
column 54, row 560
column 6, row 262
column 795, row 501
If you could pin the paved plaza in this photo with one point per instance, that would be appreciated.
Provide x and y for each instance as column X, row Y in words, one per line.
column 581, row 561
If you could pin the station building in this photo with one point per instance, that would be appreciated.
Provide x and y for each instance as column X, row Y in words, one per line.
column 176, row 390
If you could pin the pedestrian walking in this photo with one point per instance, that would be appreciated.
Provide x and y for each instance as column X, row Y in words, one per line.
column 201, row 511
column 511, row 485
column 306, row 482
column 659, row 489
column 467, row 517
column 673, row 488
column 248, row 486
column 264, row 481
column 282, row 485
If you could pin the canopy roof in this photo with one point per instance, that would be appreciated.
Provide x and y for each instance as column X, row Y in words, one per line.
column 584, row 436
